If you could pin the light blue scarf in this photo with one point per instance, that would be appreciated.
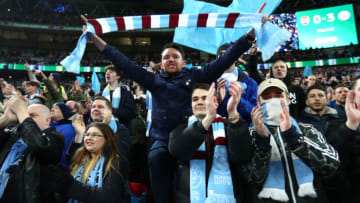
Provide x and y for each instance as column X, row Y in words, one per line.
column 113, row 124
column 274, row 186
column 95, row 178
column 149, row 111
column 13, row 158
column 116, row 94
column 233, row 76
column 220, row 186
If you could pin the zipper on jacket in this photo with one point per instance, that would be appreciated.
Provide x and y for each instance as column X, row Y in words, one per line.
column 287, row 166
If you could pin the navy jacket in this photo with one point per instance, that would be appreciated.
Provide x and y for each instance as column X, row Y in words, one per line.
column 171, row 96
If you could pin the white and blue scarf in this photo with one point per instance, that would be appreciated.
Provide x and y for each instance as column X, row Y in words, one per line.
column 274, row 186
column 113, row 124
column 116, row 94
column 149, row 112
column 233, row 76
column 95, row 178
column 12, row 159
column 220, row 186
column 210, row 20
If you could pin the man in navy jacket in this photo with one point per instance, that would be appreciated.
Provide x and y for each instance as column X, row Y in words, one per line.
column 171, row 97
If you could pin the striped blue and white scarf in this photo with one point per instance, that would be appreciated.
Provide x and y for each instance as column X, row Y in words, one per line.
column 209, row 20
column 220, row 186
column 116, row 94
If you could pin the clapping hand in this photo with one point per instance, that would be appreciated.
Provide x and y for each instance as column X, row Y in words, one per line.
column 79, row 126
column 235, row 92
column 257, row 122
column 221, row 84
column 352, row 111
column 285, row 120
column 211, row 106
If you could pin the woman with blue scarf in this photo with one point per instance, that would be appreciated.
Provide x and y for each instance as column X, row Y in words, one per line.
column 98, row 170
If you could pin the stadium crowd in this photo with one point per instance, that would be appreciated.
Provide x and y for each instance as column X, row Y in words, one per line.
column 165, row 133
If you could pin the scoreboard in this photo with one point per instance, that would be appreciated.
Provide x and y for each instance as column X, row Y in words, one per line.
column 327, row 27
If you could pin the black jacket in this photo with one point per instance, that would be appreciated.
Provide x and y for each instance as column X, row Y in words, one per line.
column 184, row 142
column 28, row 182
column 342, row 138
column 309, row 146
column 353, row 171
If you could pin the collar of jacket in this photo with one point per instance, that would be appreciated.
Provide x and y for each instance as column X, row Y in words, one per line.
column 63, row 121
column 49, row 129
column 331, row 112
column 178, row 75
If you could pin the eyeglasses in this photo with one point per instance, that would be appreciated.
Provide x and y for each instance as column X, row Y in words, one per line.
column 93, row 135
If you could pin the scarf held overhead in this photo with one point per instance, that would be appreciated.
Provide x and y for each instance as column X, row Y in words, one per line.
column 209, row 20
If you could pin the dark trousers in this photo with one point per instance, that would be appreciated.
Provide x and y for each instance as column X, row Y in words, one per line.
column 162, row 168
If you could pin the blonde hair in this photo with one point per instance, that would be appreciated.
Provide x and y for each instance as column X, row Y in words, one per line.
column 83, row 157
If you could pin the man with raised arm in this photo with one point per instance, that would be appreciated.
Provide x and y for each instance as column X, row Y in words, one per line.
column 170, row 92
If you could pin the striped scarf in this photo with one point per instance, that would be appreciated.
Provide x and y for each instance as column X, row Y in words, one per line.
column 116, row 94
column 219, row 186
column 209, row 20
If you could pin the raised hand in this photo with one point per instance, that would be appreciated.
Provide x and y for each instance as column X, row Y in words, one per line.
column 211, row 106
column 84, row 18
column 261, row 8
column 18, row 106
column 211, row 102
column 27, row 66
column 98, row 42
column 285, row 120
column 221, row 89
column 235, row 91
column 79, row 126
column 257, row 122
column 107, row 116
column 84, row 27
column 7, row 118
column 253, row 50
column 352, row 111
column 10, row 116
column 40, row 74
column 251, row 32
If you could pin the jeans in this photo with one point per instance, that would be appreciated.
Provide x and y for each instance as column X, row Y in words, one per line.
column 162, row 168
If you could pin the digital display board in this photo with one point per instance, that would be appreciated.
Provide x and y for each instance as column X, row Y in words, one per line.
column 327, row 27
